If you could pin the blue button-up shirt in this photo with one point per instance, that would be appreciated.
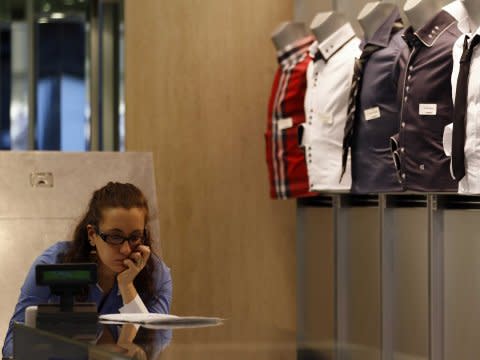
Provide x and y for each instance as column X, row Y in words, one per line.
column 426, row 103
column 31, row 294
column 378, row 109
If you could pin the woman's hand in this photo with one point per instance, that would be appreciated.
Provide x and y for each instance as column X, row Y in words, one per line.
column 124, row 344
column 128, row 333
column 133, row 351
column 125, row 341
column 134, row 263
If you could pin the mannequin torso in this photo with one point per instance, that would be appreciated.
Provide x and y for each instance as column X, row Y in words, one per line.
column 326, row 23
column 287, row 33
column 373, row 15
column 419, row 12
column 473, row 9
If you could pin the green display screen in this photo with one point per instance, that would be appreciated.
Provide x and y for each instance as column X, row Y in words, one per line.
column 66, row 275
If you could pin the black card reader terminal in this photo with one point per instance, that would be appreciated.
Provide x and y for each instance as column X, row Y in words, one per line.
column 68, row 317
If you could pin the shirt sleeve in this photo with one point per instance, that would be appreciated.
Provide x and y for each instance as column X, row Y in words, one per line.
column 134, row 306
column 163, row 285
column 163, row 294
column 30, row 294
column 161, row 303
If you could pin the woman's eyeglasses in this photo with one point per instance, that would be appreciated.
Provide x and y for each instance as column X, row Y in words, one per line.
column 116, row 239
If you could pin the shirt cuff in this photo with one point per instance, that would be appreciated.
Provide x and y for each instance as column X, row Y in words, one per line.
column 134, row 306
column 447, row 139
column 447, row 145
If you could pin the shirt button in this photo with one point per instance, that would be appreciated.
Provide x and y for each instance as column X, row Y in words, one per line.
column 403, row 124
column 407, row 89
column 406, row 98
column 410, row 68
column 409, row 77
column 422, row 167
column 402, row 149
column 404, row 176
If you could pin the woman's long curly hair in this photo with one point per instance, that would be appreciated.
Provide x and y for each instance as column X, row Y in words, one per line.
column 113, row 195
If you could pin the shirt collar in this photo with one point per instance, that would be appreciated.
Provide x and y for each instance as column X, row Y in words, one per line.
column 432, row 30
column 468, row 28
column 469, row 38
column 382, row 36
column 115, row 288
column 294, row 50
column 334, row 42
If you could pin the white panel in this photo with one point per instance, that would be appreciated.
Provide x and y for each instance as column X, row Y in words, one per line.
column 75, row 177
column 32, row 218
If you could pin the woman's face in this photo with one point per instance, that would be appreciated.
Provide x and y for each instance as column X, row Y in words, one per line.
column 116, row 221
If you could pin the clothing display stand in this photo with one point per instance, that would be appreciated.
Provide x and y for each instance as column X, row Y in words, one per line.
column 420, row 254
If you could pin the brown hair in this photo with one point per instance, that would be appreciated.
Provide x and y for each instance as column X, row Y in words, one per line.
column 113, row 195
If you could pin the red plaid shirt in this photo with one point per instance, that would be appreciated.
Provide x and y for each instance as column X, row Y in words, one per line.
column 285, row 159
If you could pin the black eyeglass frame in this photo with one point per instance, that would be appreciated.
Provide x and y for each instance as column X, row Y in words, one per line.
column 104, row 237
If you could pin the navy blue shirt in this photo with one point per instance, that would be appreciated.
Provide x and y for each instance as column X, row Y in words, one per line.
column 31, row 294
column 378, row 113
column 426, row 106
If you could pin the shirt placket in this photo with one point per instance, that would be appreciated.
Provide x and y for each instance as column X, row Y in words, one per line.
column 283, row 189
column 474, row 102
column 406, row 94
column 311, row 112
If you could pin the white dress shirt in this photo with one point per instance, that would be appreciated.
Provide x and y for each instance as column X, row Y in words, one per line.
column 329, row 78
column 470, row 184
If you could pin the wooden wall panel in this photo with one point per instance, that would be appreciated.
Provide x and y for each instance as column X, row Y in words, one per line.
column 305, row 10
column 198, row 77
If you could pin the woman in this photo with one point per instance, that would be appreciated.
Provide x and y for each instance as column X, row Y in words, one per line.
column 114, row 234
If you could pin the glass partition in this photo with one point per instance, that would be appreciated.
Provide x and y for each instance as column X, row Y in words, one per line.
column 61, row 65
